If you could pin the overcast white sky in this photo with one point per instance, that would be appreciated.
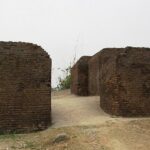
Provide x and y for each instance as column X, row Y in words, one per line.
column 62, row 27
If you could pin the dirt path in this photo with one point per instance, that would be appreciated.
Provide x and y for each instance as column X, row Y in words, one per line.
column 68, row 110
column 113, row 133
column 72, row 110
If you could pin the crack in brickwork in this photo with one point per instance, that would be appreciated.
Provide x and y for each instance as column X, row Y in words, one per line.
column 79, row 76
column 93, row 74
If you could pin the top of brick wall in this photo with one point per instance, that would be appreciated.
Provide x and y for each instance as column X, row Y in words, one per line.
column 21, row 46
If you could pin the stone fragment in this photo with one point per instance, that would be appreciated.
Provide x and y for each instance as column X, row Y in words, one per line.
column 61, row 138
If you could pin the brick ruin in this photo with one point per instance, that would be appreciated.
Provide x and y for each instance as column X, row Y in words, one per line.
column 121, row 76
column 93, row 74
column 125, row 81
column 79, row 75
column 25, row 87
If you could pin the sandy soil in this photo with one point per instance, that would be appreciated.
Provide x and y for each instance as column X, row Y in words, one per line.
column 72, row 110
column 87, row 126
column 68, row 110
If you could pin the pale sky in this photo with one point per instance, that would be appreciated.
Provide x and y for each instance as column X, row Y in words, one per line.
column 63, row 27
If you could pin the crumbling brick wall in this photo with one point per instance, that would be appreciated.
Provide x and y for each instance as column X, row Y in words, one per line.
column 25, row 87
column 94, row 75
column 79, row 77
column 125, row 81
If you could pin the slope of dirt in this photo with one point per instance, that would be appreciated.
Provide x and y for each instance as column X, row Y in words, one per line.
column 120, row 135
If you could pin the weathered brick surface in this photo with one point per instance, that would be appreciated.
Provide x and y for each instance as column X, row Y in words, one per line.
column 125, row 81
column 25, row 87
column 79, row 75
column 94, row 74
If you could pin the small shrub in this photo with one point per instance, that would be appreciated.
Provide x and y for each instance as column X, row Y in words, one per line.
column 65, row 82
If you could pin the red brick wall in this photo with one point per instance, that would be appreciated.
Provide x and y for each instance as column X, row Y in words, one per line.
column 125, row 81
column 79, row 75
column 25, row 87
column 94, row 74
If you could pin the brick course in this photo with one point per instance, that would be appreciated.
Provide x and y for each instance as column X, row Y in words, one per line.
column 125, row 81
column 25, row 87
